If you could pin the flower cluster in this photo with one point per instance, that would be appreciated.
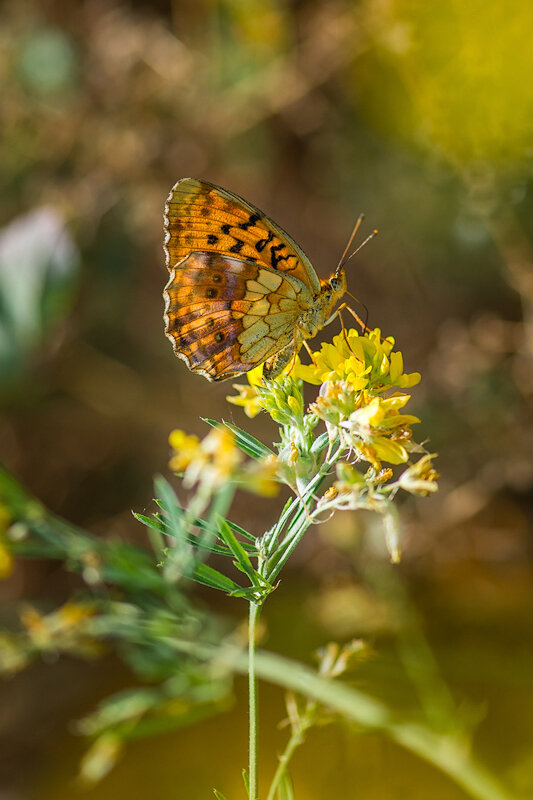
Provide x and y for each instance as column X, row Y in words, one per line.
column 216, row 460
column 375, row 429
column 361, row 401
column 362, row 361
column 65, row 630
column 354, row 372
column 360, row 461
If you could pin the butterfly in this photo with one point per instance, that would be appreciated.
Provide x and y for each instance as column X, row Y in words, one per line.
column 241, row 292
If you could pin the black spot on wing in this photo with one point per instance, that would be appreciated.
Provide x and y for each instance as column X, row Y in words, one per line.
column 212, row 239
column 262, row 243
column 237, row 247
column 251, row 221
column 276, row 257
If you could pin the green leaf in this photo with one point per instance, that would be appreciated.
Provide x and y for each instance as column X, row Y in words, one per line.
column 237, row 529
column 286, row 790
column 246, row 781
column 160, row 525
column 253, row 594
column 243, row 561
column 215, row 579
column 172, row 509
column 251, row 446
column 219, row 795
column 320, row 442
column 150, row 522
column 201, row 523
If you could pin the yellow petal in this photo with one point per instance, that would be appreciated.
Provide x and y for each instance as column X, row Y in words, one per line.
column 389, row 451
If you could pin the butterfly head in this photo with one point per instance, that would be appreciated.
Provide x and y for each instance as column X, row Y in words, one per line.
column 331, row 291
column 335, row 286
column 337, row 283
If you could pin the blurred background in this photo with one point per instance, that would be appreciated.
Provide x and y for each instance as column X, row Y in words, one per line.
column 419, row 114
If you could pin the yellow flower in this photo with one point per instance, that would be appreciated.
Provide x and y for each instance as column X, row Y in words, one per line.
column 100, row 758
column 372, row 430
column 185, row 449
column 63, row 629
column 223, row 454
column 249, row 397
column 212, row 460
column 260, row 477
column 14, row 654
column 363, row 361
column 7, row 562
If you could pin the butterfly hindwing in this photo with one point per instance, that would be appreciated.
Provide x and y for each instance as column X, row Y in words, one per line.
column 202, row 217
column 225, row 315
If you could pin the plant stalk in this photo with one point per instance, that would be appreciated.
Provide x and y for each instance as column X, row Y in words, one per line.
column 296, row 739
column 252, row 703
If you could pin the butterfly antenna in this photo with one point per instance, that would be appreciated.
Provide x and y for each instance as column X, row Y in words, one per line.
column 344, row 260
column 350, row 240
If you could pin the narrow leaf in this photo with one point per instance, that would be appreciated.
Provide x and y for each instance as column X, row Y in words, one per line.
column 251, row 446
column 160, row 525
column 219, row 795
column 243, row 561
column 320, row 442
column 200, row 523
column 150, row 522
column 172, row 509
column 242, row 532
column 285, row 791
column 215, row 579
column 253, row 594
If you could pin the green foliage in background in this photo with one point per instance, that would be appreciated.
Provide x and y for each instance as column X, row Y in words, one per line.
column 138, row 602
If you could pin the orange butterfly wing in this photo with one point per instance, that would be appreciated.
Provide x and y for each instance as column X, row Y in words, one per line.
column 225, row 315
column 202, row 217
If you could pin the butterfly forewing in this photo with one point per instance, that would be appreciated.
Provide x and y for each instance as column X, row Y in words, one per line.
column 224, row 315
column 202, row 217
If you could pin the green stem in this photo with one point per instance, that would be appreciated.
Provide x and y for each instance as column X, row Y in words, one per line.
column 446, row 752
column 252, row 703
column 296, row 529
column 295, row 741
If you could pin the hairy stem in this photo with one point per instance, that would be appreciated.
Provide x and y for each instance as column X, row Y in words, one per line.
column 252, row 703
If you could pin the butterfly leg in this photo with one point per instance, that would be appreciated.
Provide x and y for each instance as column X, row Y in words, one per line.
column 337, row 313
column 364, row 327
column 311, row 356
